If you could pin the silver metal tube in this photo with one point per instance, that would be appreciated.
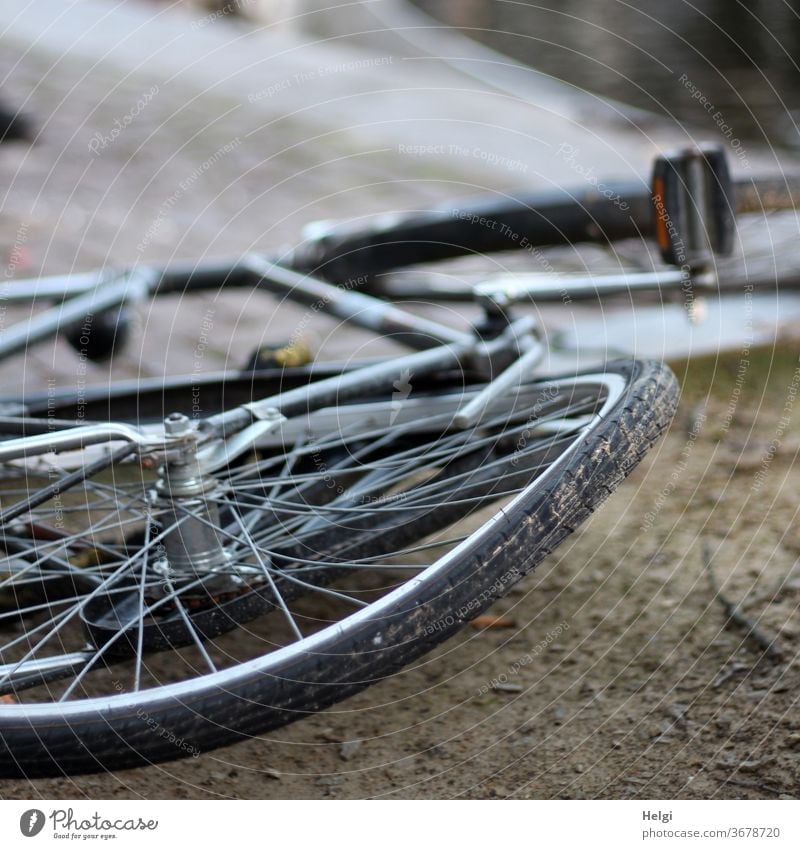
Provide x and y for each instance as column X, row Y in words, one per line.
column 53, row 287
column 72, row 439
column 354, row 307
column 515, row 288
column 364, row 381
column 129, row 286
column 517, row 373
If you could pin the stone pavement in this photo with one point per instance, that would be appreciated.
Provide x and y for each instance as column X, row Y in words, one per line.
column 165, row 134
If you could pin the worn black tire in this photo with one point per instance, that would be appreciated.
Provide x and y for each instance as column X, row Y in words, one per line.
column 271, row 691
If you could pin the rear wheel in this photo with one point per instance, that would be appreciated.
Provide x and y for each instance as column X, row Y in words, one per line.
column 351, row 544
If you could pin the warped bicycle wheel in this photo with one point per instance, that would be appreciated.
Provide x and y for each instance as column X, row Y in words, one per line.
column 348, row 544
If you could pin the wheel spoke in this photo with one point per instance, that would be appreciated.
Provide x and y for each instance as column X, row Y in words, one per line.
column 137, row 675
column 353, row 502
column 265, row 569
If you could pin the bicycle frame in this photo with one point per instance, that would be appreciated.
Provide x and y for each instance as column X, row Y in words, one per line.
column 439, row 348
column 511, row 349
column 502, row 355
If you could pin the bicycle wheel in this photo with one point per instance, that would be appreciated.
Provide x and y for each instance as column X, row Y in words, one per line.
column 358, row 541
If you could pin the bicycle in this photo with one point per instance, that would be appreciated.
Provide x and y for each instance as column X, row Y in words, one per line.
column 172, row 584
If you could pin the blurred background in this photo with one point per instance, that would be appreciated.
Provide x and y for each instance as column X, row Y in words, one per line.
column 148, row 131
column 742, row 56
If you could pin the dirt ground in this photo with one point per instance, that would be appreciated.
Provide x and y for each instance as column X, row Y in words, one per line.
column 639, row 686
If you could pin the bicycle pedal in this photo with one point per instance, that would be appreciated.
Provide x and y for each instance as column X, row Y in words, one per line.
column 694, row 206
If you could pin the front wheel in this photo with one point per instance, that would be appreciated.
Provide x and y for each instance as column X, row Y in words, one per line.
column 353, row 547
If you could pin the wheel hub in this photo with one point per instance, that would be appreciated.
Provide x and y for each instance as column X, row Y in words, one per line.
column 184, row 497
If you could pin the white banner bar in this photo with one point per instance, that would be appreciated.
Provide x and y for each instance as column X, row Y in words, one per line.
column 403, row 824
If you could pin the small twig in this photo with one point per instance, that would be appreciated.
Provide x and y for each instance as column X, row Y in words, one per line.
column 735, row 616
column 728, row 672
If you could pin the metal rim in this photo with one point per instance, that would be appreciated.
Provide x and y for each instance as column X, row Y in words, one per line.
column 612, row 385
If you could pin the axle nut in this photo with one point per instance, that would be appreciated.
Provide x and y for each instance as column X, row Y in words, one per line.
column 176, row 424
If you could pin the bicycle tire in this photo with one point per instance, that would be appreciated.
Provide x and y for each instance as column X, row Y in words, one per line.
column 281, row 687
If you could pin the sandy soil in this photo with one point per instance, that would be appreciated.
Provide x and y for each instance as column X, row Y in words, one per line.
column 643, row 687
